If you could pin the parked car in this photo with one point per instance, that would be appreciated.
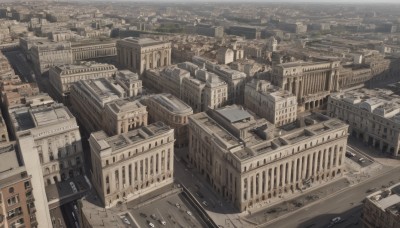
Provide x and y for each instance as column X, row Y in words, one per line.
column 189, row 213
column 205, row 203
column 336, row 220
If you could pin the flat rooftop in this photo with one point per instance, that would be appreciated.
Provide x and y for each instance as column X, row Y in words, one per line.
column 8, row 157
column 101, row 90
column 26, row 118
column 143, row 42
column 129, row 138
column 388, row 199
column 124, row 105
column 172, row 103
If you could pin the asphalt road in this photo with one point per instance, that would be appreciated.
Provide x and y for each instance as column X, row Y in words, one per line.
column 20, row 65
column 347, row 204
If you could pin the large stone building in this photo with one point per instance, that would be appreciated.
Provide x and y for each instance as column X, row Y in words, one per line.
column 3, row 131
column 133, row 163
column 233, row 78
column 209, row 30
column 354, row 76
column 100, row 105
column 17, row 207
column 197, row 87
column 56, row 135
column 311, row 82
column 382, row 208
column 89, row 49
column 276, row 105
column 248, row 161
column 168, row 80
column 64, row 76
column 130, row 82
column 247, row 32
column 173, row 112
column 141, row 54
column 47, row 54
column 373, row 116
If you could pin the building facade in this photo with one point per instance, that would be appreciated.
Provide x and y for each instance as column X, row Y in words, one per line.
column 248, row 161
column 173, row 112
column 17, row 203
column 47, row 54
column 64, row 76
column 133, row 163
column 382, row 208
column 141, row 54
column 311, row 82
column 276, row 105
column 373, row 117
column 101, row 104
column 93, row 49
column 56, row 136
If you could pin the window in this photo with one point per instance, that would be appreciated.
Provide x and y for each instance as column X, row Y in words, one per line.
column 13, row 200
column 27, row 184
column 11, row 190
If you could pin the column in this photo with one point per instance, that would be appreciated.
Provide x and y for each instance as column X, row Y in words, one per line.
column 304, row 167
column 289, row 173
column 278, row 175
column 315, row 163
column 272, row 178
column 326, row 161
column 266, row 181
column 112, row 180
column 260, row 183
column 284, row 174
column 331, row 157
column 295, row 171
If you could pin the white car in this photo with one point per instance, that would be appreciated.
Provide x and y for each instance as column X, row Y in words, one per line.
column 163, row 222
column 74, row 189
column 205, row 203
column 126, row 221
column 189, row 213
column 336, row 220
column 151, row 224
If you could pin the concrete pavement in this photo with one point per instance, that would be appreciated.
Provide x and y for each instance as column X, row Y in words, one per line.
column 347, row 204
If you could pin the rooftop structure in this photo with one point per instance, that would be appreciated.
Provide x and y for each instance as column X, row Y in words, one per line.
column 271, row 102
column 382, row 208
column 127, row 153
column 249, row 146
column 366, row 111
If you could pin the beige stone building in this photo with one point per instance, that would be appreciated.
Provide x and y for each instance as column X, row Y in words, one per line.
column 56, row 135
column 248, row 161
column 206, row 91
column 225, row 55
column 233, row 78
column 91, row 49
column 133, row 163
column 353, row 76
column 276, row 105
column 382, row 208
column 168, row 79
column 3, row 131
column 373, row 117
column 17, row 206
column 47, row 54
column 311, row 82
column 62, row 77
column 141, row 54
column 101, row 104
column 130, row 82
column 173, row 112
column 197, row 87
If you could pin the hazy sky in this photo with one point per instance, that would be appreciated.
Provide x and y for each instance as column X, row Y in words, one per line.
column 277, row 1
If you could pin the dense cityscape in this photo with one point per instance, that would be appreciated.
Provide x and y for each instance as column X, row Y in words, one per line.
column 199, row 114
